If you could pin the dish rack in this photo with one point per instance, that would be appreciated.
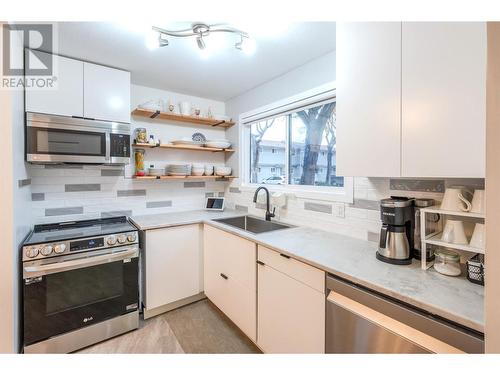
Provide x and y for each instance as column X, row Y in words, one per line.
column 435, row 237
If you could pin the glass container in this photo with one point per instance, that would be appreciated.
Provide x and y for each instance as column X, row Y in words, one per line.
column 447, row 262
column 139, row 162
column 141, row 135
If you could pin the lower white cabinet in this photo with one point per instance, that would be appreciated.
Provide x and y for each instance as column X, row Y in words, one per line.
column 173, row 265
column 230, row 277
column 291, row 309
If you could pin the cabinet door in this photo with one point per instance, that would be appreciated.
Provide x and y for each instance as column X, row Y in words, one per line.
column 230, row 277
column 444, row 99
column 174, row 264
column 66, row 98
column 107, row 93
column 368, row 99
column 291, row 315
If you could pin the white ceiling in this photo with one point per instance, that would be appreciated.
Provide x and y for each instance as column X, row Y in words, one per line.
column 225, row 73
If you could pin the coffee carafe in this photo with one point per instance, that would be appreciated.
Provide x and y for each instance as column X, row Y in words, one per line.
column 396, row 233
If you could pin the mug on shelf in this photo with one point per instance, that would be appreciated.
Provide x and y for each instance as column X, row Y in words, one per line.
column 478, row 202
column 478, row 237
column 454, row 232
column 454, row 199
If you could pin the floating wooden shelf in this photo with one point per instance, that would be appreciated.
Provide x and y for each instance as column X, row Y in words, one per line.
column 183, row 178
column 183, row 147
column 167, row 116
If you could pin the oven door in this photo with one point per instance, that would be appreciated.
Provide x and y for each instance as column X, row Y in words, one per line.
column 66, row 143
column 71, row 292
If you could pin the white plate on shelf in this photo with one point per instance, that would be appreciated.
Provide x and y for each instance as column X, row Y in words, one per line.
column 218, row 143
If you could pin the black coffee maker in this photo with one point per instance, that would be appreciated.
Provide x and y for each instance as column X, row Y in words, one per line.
column 396, row 234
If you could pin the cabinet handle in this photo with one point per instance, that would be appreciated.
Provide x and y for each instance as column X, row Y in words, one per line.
column 261, row 263
column 223, row 276
column 285, row 256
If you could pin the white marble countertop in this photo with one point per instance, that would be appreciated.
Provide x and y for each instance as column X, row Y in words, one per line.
column 452, row 298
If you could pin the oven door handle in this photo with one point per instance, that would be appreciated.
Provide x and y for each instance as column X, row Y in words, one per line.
column 47, row 269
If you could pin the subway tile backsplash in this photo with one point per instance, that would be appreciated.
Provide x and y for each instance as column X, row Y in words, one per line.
column 82, row 187
column 62, row 211
column 318, row 207
column 131, row 193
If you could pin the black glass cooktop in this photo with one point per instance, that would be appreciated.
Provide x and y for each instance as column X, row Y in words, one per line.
column 78, row 229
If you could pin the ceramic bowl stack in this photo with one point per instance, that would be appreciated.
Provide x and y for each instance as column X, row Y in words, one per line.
column 156, row 171
column 218, row 143
column 223, row 171
column 198, row 169
column 178, row 169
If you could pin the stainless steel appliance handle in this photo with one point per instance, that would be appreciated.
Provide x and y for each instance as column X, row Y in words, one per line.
column 47, row 269
column 108, row 146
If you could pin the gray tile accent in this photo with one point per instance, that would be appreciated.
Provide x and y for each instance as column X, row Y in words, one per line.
column 238, row 207
column 116, row 213
column 63, row 166
column 23, row 183
column 209, row 195
column 194, row 184
column 81, row 187
column 158, row 204
column 429, row 186
column 112, row 172
column 473, row 183
column 63, row 211
column 319, row 207
column 220, row 194
column 131, row 193
column 373, row 237
column 365, row 204
column 37, row 196
column 234, row 190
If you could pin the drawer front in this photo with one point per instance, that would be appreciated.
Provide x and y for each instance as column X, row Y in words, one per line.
column 234, row 255
column 297, row 270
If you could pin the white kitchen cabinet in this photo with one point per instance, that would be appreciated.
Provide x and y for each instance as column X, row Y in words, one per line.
column 444, row 99
column 106, row 93
column 368, row 98
column 173, row 265
column 291, row 313
column 230, row 277
column 66, row 98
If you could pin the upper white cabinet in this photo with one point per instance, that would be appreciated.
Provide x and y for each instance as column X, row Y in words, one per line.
column 411, row 99
column 173, row 265
column 106, row 93
column 84, row 90
column 67, row 97
column 444, row 99
column 368, row 98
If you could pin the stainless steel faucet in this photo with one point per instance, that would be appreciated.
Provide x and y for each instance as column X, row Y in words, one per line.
column 269, row 214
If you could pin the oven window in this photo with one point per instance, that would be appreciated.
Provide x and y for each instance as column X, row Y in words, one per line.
column 67, row 142
column 84, row 286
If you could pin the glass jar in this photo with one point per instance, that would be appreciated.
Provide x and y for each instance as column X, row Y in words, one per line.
column 139, row 162
column 141, row 136
column 447, row 262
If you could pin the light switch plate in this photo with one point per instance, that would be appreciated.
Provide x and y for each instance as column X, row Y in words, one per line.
column 339, row 210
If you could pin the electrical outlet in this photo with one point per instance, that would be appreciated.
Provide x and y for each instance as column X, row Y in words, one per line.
column 339, row 210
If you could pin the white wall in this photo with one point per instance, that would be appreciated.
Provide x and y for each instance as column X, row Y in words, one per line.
column 16, row 220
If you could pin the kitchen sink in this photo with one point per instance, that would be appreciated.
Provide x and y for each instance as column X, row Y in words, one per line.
column 252, row 224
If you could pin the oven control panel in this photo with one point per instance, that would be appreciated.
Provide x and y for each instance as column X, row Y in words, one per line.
column 38, row 251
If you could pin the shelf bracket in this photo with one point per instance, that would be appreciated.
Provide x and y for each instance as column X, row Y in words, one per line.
column 219, row 123
column 155, row 114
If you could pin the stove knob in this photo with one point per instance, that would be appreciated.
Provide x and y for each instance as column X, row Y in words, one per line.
column 122, row 238
column 46, row 250
column 111, row 240
column 131, row 237
column 32, row 252
column 59, row 249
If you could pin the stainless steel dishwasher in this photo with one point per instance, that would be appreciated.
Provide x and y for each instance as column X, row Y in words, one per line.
column 360, row 320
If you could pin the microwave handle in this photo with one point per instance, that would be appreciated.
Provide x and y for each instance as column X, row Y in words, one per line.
column 47, row 269
column 108, row 146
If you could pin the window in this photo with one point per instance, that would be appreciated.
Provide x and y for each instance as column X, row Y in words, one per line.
column 292, row 143
column 309, row 134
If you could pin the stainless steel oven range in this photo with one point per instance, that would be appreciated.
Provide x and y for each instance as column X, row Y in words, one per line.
column 80, row 284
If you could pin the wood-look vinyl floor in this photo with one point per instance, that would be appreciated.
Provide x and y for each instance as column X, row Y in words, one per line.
column 196, row 328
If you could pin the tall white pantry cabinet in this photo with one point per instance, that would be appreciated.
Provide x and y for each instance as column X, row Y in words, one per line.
column 411, row 99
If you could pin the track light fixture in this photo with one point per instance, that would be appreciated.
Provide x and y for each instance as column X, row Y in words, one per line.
column 201, row 32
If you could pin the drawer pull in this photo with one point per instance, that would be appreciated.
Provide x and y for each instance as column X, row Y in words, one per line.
column 223, row 276
column 285, row 256
column 261, row 263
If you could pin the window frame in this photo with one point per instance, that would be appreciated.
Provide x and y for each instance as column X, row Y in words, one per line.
column 309, row 98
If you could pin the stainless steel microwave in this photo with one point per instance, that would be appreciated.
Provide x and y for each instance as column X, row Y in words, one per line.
column 60, row 139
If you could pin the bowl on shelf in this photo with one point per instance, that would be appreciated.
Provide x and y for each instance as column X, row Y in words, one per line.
column 218, row 143
column 223, row 171
column 209, row 170
column 198, row 169
column 178, row 169
column 156, row 171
